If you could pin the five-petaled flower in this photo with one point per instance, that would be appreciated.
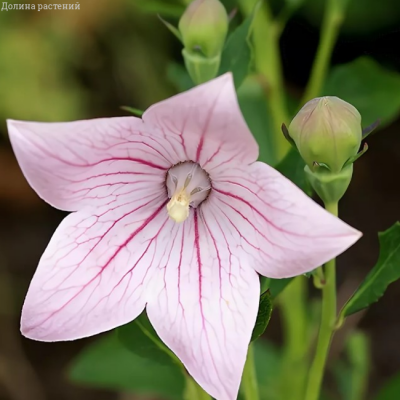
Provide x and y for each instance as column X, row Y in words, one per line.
column 171, row 213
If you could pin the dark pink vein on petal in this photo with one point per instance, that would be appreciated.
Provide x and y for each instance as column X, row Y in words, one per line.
column 66, row 162
column 205, row 129
column 199, row 264
column 267, row 220
column 258, row 212
column 219, row 270
column 119, row 249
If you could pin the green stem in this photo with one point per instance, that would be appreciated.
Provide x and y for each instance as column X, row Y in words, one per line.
column 193, row 391
column 292, row 303
column 333, row 18
column 327, row 325
column 249, row 384
column 358, row 353
column 266, row 35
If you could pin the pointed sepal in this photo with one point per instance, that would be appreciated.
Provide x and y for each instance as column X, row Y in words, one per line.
column 171, row 28
column 285, row 132
column 369, row 129
column 132, row 110
column 353, row 159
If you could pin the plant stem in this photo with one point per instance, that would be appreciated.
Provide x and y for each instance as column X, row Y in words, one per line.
column 358, row 352
column 292, row 303
column 327, row 325
column 249, row 380
column 333, row 18
column 266, row 35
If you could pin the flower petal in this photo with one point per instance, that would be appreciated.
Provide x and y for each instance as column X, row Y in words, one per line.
column 96, row 269
column 85, row 164
column 283, row 231
column 206, row 307
column 205, row 125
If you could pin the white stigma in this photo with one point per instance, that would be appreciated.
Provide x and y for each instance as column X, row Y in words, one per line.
column 188, row 185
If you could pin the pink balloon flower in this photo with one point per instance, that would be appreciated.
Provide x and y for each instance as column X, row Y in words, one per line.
column 171, row 213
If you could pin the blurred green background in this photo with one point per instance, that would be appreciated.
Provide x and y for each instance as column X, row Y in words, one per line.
column 69, row 64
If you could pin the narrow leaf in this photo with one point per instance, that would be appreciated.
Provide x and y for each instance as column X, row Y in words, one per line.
column 236, row 56
column 264, row 315
column 386, row 271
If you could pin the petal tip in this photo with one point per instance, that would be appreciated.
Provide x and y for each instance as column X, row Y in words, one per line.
column 355, row 235
column 27, row 331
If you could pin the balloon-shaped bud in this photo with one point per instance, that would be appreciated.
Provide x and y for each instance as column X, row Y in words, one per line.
column 327, row 132
column 203, row 27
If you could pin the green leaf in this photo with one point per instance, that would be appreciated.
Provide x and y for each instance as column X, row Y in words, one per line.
column 194, row 391
column 264, row 315
column 267, row 371
column 386, row 271
column 391, row 389
column 108, row 364
column 254, row 108
column 237, row 54
column 371, row 88
column 292, row 166
column 179, row 77
column 275, row 286
column 140, row 338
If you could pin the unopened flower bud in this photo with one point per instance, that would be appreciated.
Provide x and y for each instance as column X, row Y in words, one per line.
column 203, row 29
column 327, row 132
column 204, row 26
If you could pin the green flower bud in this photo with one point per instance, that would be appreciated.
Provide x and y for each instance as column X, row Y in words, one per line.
column 203, row 27
column 327, row 132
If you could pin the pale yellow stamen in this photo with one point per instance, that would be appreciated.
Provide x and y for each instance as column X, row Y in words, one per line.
column 188, row 185
column 178, row 206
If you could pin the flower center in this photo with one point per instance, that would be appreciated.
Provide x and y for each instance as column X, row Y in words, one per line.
column 188, row 185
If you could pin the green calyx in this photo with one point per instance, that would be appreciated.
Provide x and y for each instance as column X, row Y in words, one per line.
column 201, row 69
column 203, row 28
column 329, row 186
